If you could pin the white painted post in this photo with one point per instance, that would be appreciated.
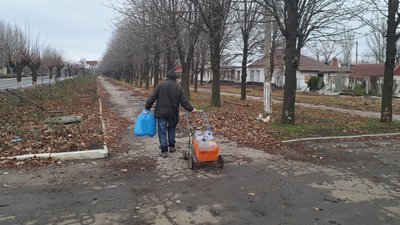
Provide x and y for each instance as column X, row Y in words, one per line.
column 267, row 66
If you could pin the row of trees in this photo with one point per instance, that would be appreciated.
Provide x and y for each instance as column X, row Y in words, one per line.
column 153, row 34
column 20, row 48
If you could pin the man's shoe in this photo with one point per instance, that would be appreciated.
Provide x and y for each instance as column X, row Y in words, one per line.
column 172, row 149
column 164, row 154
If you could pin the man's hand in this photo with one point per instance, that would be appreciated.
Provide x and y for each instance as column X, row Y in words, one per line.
column 197, row 110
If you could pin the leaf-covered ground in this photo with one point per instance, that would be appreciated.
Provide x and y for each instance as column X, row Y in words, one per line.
column 235, row 120
column 22, row 127
column 365, row 103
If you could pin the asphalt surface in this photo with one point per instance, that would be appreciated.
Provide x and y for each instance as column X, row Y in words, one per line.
column 355, row 182
column 11, row 83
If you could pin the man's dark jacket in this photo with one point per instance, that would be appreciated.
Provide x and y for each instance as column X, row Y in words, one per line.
column 169, row 96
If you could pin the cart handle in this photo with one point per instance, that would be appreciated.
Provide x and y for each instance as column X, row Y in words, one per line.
column 203, row 116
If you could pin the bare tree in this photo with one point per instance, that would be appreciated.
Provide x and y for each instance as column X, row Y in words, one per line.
column 299, row 21
column 324, row 51
column 392, row 35
column 214, row 14
column 16, row 50
column 347, row 44
column 82, row 63
column 376, row 43
column 248, row 17
column 183, row 27
column 6, row 44
column 388, row 11
column 3, row 44
column 59, row 64
column 49, row 56
column 35, row 61
column 199, row 60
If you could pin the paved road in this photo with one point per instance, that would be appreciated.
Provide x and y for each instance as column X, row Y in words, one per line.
column 11, row 83
column 355, row 183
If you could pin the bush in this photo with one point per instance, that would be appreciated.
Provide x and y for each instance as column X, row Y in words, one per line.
column 313, row 83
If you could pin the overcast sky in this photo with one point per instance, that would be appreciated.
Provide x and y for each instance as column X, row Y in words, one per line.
column 79, row 28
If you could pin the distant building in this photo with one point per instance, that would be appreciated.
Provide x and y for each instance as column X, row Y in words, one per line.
column 371, row 76
column 231, row 68
column 92, row 66
column 335, row 77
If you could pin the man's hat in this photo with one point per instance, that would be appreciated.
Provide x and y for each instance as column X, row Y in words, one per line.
column 171, row 74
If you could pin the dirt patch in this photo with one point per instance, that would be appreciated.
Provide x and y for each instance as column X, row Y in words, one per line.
column 133, row 165
column 333, row 150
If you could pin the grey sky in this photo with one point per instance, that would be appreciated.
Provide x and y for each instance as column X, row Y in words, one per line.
column 79, row 28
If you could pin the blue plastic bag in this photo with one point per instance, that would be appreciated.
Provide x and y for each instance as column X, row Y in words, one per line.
column 145, row 124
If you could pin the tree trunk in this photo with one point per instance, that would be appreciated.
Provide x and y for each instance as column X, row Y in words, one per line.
column 243, row 91
column 34, row 67
column 215, row 42
column 58, row 73
column 146, row 72
column 157, row 57
column 34, row 75
column 203, row 63
column 170, row 59
column 18, row 70
column 70, row 72
column 291, row 64
column 387, row 92
column 186, row 78
column 51, row 72
column 186, row 61
column 196, row 78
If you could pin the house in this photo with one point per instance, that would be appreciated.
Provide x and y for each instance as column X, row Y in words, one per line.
column 231, row 68
column 371, row 75
column 335, row 77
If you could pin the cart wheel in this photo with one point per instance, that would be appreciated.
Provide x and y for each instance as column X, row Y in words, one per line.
column 220, row 161
column 190, row 157
column 185, row 154
column 192, row 162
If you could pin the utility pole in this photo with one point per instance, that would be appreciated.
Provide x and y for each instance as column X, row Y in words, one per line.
column 356, row 52
column 267, row 64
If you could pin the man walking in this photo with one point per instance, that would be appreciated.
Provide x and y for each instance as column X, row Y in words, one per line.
column 169, row 95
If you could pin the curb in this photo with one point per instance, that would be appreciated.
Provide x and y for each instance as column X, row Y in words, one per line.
column 85, row 154
column 340, row 137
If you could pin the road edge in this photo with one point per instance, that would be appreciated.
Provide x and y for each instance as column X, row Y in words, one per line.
column 339, row 137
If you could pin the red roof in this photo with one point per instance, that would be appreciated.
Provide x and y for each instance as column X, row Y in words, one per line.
column 370, row 70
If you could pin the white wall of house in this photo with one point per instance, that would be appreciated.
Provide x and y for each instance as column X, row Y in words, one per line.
column 232, row 75
column 302, row 79
column 255, row 75
column 278, row 77
column 3, row 70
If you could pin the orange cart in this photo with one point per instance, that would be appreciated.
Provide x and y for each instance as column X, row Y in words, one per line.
column 201, row 150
